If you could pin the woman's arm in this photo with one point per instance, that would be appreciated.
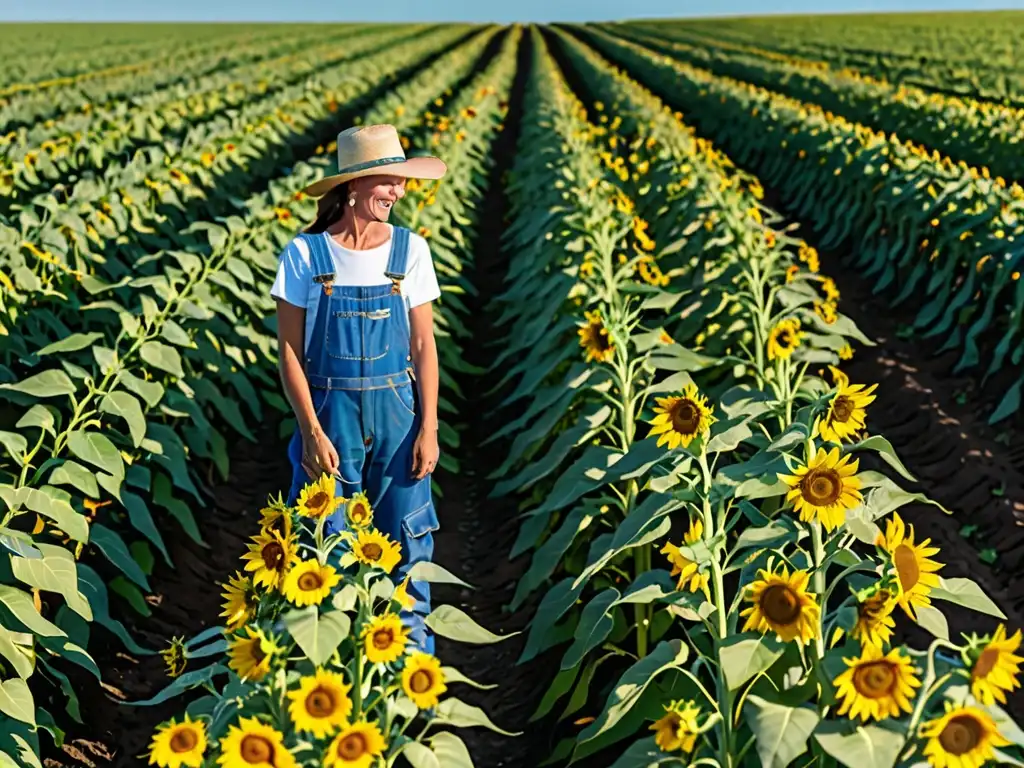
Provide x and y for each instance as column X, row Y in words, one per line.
column 424, row 358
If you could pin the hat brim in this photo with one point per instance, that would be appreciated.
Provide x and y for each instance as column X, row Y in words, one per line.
column 411, row 168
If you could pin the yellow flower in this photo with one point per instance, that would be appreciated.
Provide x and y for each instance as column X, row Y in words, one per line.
column 665, row 338
column 270, row 557
column 875, row 622
column 826, row 311
column 784, row 338
column 964, row 737
column 276, row 517
column 825, row 488
column 687, row 570
column 385, row 638
column 876, row 686
column 321, row 704
column 250, row 655
column 678, row 728
column 401, row 595
column 358, row 511
column 839, row 378
column 371, row 547
column 846, row 412
column 791, row 272
column 422, row 680
column 828, row 285
column 240, row 601
column 781, row 603
column 915, row 570
column 359, row 745
column 318, row 498
column 309, row 582
column 681, row 419
column 252, row 743
column 174, row 657
column 595, row 340
column 996, row 668
column 179, row 744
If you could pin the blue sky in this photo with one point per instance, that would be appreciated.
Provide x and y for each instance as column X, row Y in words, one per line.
column 449, row 10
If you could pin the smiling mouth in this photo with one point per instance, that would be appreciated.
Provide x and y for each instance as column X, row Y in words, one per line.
column 384, row 205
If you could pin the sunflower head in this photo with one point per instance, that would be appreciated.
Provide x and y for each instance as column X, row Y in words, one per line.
column 915, row 571
column 994, row 665
column 270, row 557
column 373, row 548
column 847, row 412
column 876, row 685
column 254, row 743
column 594, row 338
column 318, row 499
column 357, row 745
column 681, row 419
column 690, row 576
column 321, row 703
column 875, row 623
column 825, row 488
column 251, row 654
column 276, row 516
column 423, row 680
column 385, row 638
column 358, row 512
column 677, row 730
column 174, row 656
column 784, row 338
column 962, row 737
column 240, row 601
column 309, row 582
column 780, row 603
column 179, row 744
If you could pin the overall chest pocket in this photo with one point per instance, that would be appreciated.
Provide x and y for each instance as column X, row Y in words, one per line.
column 359, row 333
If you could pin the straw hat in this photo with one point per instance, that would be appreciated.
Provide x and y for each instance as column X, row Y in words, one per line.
column 372, row 149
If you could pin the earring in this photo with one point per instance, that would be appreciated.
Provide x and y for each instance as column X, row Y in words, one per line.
column 352, row 200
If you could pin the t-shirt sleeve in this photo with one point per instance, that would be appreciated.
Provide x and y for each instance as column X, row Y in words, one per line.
column 421, row 279
column 293, row 274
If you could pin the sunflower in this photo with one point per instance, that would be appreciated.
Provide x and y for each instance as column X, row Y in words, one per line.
column 875, row 685
column 174, row 657
column 401, row 595
column 681, row 419
column 595, row 340
column 250, row 655
column 846, row 412
column 964, row 737
column 828, row 285
column 791, row 272
column 254, row 743
column 309, row 582
column 678, row 728
column 915, row 569
column 358, row 511
column 276, row 517
column 826, row 311
column 371, row 547
column 839, row 379
column 846, row 352
column 781, row 603
column 784, row 338
column 357, row 746
column 422, row 680
column 384, row 638
column 270, row 557
column 318, row 498
column 321, row 704
column 179, row 744
column 687, row 570
column 996, row 667
column 825, row 488
column 240, row 601
column 875, row 623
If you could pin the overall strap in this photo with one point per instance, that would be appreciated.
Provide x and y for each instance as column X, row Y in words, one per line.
column 320, row 260
column 398, row 259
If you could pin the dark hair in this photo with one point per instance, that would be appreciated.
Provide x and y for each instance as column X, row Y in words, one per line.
column 329, row 209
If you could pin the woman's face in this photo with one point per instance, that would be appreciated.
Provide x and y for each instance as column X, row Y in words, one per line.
column 375, row 195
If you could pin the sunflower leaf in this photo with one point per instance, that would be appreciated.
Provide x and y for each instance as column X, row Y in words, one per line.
column 419, row 755
column 181, row 684
column 450, row 750
column 967, row 593
column 932, row 619
column 317, row 635
column 459, row 714
column 781, row 731
column 449, row 621
column 743, row 657
column 859, row 747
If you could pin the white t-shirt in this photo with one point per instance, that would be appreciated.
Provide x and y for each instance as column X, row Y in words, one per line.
column 295, row 274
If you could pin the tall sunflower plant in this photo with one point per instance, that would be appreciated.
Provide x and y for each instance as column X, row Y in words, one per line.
column 317, row 658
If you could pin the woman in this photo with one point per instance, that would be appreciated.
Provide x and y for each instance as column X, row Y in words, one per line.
column 357, row 354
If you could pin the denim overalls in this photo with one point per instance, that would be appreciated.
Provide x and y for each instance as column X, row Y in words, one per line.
column 359, row 367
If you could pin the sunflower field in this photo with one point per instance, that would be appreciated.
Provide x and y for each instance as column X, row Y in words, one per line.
column 694, row 275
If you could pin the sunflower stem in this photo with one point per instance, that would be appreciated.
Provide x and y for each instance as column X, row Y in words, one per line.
column 819, row 584
column 928, row 686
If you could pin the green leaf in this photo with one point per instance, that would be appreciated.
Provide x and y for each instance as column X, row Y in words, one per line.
column 55, row 572
column 742, row 657
column 433, row 573
column 449, row 621
column 96, row 590
column 127, row 407
column 967, row 593
column 419, row 755
column 450, row 750
column 22, row 607
column 142, row 520
column 886, row 451
column 112, row 545
column 162, row 356
column 931, row 618
column 595, row 625
column 645, row 754
column 16, row 700
column 74, row 524
column 781, row 731
column 459, row 714
column 96, row 449
column 865, row 746
column 40, row 417
column 52, row 383
column 181, row 684
column 317, row 635
column 74, row 474
column 15, row 444
column 72, row 343
column 20, row 655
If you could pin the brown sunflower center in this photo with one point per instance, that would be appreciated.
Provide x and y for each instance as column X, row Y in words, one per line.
column 875, row 679
column 256, row 651
column 372, row 551
column 686, row 417
column 906, row 567
column 842, row 409
column 352, row 747
column 599, row 339
column 256, row 749
column 821, row 487
column 273, row 555
column 873, row 609
column 786, row 338
column 359, row 513
column 961, row 735
column 780, row 604
column 321, row 702
column 317, row 501
column 421, row 681
column 310, row 581
column 985, row 664
column 184, row 740
column 383, row 639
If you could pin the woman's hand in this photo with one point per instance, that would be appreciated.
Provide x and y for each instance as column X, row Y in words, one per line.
column 425, row 453
column 318, row 454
